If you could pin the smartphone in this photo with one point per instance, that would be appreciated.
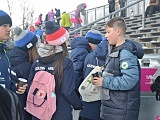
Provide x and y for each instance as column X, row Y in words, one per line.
column 95, row 74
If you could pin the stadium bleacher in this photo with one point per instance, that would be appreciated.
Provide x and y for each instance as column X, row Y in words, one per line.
column 149, row 36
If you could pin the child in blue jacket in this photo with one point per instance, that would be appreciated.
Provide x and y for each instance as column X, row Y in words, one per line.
column 94, row 58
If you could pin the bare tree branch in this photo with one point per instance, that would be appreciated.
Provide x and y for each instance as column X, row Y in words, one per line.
column 9, row 7
column 26, row 12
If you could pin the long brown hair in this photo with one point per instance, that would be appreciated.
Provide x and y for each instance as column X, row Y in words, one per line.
column 58, row 65
column 32, row 54
column 60, row 62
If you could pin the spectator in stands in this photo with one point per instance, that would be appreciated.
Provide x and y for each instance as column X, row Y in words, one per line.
column 51, row 15
column 111, row 7
column 152, row 8
column 26, row 26
column 22, row 57
column 37, row 30
column 76, row 18
column 122, row 4
column 81, row 7
column 58, row 14
column 121, row 75
column 95, row 57
column 31, row 28
column 66, row 21
column 39, row 21
column 46, row 17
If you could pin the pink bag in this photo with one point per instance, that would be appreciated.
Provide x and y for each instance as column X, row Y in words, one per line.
column 41, row 99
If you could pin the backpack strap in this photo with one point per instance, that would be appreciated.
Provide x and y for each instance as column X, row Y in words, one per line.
column 107, row 60
column 97, row 61
column 16, row 105
column 45, row 98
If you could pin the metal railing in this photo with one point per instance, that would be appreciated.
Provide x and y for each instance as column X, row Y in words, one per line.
column 108, row 15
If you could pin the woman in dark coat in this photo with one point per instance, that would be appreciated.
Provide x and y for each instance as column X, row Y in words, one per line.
column 53, row 56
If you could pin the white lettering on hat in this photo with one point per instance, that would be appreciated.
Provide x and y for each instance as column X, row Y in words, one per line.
column 63, row 39
column 29, row 45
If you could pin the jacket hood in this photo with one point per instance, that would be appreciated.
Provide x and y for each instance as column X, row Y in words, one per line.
column 64, row 13
column 79, row 42
column 18, row 55
column 101, row 50
column 134, row 47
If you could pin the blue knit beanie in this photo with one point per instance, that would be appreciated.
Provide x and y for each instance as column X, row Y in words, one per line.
column 5, row 18
column 94, row 36
column 25, row 39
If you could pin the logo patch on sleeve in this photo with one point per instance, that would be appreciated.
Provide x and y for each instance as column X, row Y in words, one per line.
column 124, row 65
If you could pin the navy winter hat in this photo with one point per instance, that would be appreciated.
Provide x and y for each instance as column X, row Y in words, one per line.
column 51, row 27
column 94, row 36
column 24, row 39
column 5, row 18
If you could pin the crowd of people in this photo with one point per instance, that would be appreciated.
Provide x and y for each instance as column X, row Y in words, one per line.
column 37, row 47
column 61, row 19
column 152, row 8
column 48, row 49
column 112, row 5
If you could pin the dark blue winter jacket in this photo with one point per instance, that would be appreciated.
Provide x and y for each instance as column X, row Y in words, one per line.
column 20, row 68
column 122, row 78
column 80, row 48
column 91, row 110
column 39, row 32
column 4, row 67
column 66, row 95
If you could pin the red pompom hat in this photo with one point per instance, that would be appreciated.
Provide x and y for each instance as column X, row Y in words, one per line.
column 55, row 35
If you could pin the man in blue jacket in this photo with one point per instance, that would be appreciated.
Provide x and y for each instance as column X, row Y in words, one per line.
column 5, row 25
column 111, row 7
column 5, row 28
column 95, row 58
column 121, row 75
